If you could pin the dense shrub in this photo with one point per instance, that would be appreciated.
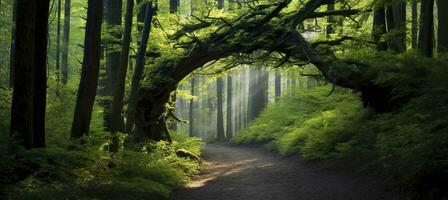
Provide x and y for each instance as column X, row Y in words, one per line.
column 89, row 171
column 84, row 168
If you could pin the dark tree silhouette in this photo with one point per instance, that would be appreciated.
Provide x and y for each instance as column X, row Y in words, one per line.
column 30, row 81
column 90, row 70
column 426, row 35
column 117, row 121
column 113, row 55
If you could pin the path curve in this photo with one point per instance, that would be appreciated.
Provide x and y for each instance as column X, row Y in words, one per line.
column 248, row 173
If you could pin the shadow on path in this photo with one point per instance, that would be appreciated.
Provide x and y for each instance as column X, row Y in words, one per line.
column 247, row 173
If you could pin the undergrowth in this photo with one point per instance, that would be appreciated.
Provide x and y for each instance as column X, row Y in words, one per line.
column 84, row 168
column 409, row 145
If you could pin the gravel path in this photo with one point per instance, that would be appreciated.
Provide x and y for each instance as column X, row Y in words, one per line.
column 249, row 173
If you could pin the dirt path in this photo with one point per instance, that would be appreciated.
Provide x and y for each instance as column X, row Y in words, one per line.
column 249, row 173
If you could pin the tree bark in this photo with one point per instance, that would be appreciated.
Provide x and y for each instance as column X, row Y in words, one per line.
column 220, row 4
column 29, row 96
column 174, row 6
column 40, row 73
column 58, row 43
column 117, row 121
column 396, row 25
column 414, row 24
column 141, row 5
column 229, row 124
column 191, row 113
column 11, row 54
column 442, row 44
column 220, row 116
column 252, row 95
column 239, row 108
column 65, row 42
column 331, row 21
column 426, row 35
column 113, row 57
column 278, row 85
column 379, row 27
column 90, row 70
column 139, row 67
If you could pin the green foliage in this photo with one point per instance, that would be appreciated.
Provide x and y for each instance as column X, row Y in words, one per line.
column 84, row 169
column 304, row 121
column 409, row 145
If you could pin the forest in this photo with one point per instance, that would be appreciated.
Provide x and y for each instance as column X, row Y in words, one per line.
column 224, row 99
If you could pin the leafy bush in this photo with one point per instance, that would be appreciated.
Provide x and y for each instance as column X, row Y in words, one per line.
column 409, row 145
column 88, row 171
column 84, row 169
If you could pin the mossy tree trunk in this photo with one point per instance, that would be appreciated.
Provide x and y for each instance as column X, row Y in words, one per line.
column 414, row 26
column 259, row 34
column 139, row 67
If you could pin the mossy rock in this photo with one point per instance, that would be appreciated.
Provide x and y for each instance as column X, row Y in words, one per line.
column 183, row 153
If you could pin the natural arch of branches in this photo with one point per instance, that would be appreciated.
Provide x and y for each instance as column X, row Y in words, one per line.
column 264, row 27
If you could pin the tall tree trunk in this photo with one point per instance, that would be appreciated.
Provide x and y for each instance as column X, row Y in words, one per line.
column 246, row 92
column 379, row 27
column 58, row 42
column 331, row 21
column 257, row 93
column 278, row 85
column 139, row 67
column 229, row 124
column 174, row 6
column 40, row 73
column 426, row 35
column 414, row 23
column 29, row 94
column 220, row 4
column 11, row 54
column 252, row 98
column 141, row 16
column 65, row 42
column 113, row 57
column 90, row 70
column 220, row 116
column 442, row 10
column 191, row 113
column 396, row 25
column 141, row 11
column 117, row 121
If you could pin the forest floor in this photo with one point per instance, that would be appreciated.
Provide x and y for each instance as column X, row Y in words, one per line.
column 251, row 173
